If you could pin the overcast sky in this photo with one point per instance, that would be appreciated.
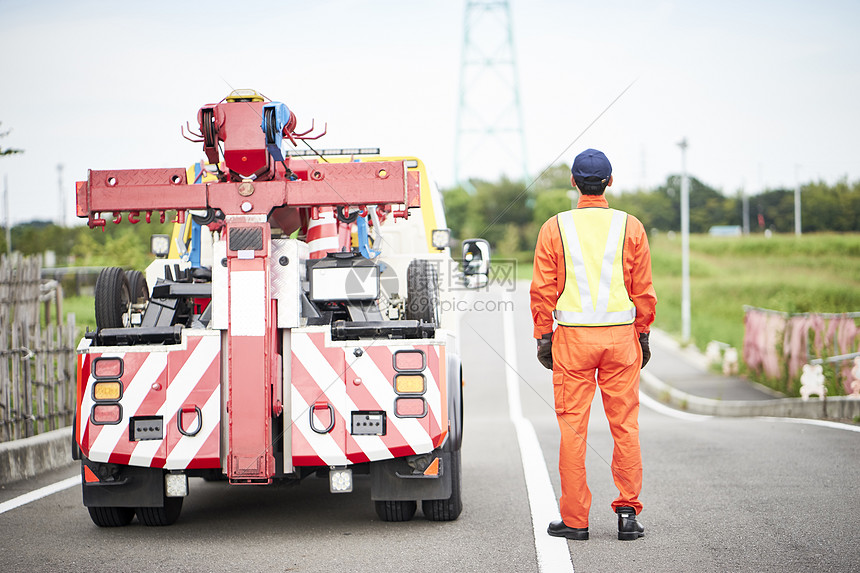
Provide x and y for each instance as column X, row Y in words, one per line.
column 766, row 92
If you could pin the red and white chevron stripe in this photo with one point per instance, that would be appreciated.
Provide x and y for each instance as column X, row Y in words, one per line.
column 159, row 383
column 326, row 372
column 323, row 234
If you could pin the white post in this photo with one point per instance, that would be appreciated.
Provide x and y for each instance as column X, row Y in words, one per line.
column 796, row 201
column 61, row 221
column 685, row 245
column 6, row 213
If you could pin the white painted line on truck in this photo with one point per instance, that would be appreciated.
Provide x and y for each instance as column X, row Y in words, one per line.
column 553, row 553
column 39, row 493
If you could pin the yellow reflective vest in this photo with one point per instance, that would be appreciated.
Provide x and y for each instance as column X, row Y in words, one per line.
column 594, row 292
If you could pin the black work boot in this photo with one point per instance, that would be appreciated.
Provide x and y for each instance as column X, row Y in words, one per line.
column 559, row 529
column 628, row 528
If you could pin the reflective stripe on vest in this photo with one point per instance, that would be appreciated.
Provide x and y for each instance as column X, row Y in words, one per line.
column 594, row 293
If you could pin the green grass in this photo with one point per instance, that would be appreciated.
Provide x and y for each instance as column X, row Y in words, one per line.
column 812, row 273
column 85, row 312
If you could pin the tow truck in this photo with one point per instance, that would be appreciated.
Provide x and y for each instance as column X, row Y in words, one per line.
column 302, row 324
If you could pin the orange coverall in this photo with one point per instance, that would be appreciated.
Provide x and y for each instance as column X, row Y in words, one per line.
column 611, row 354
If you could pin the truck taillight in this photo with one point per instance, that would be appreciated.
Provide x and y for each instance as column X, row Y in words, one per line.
column 409, row 383
column 107, row 390
column 410, row 408
column 107, row 367
column 405, row 360
column 106, row 414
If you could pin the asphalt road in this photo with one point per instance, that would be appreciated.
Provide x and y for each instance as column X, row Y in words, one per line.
column 720, row 495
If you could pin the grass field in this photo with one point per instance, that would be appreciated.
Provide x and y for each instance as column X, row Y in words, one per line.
column 811, row 273
column 85, row 312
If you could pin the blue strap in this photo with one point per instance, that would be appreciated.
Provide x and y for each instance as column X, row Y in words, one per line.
column 277, row 150
column 363, row 239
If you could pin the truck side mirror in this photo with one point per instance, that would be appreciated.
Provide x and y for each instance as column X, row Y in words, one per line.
column 476, row 262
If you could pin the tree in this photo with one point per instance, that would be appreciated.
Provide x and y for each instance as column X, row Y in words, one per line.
column 553, row 177
column 825, row 208
column 494, row 206
column 8, row 150
column 456, row 202
column 550, row 202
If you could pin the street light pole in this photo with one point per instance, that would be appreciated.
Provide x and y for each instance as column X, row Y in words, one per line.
column 796, row 201
column 6, row 213
column 685, row 245
column 61, row 220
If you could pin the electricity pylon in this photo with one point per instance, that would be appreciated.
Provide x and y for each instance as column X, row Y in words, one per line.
column 490, row 138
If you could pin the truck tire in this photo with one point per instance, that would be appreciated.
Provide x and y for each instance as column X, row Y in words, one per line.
column 422, row 292
column 396, row 510
column 137, row 286
column 139, row 291
column 113, row 299
column 447, row 509
column 159, row 516
column 111, row 516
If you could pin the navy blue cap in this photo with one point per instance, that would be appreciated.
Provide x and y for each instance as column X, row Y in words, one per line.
column 591, row 163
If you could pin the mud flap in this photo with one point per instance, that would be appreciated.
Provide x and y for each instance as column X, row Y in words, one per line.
column 112, row 485
column 411, row 478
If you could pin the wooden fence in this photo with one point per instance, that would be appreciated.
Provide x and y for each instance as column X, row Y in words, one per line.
column 37, row 380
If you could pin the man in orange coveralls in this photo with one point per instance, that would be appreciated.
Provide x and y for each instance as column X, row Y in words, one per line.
column 592, row 274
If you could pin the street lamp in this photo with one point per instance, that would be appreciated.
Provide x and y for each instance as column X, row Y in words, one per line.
column 685, row 245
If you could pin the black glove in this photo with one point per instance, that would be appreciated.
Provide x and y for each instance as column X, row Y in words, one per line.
column 544, row 350
column 646, row 349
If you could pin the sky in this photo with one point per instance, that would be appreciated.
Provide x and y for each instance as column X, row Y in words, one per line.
column 765, row 92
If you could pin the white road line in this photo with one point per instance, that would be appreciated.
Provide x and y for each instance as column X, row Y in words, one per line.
column 811, row 422
column 661, row 408
column 39, row 493
column 553, row 554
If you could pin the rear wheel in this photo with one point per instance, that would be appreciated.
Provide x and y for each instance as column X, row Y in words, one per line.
column 113, row 299
column 111, row 516
column 422, row 292
column 158, row 516
column 447, row 509
column 396, row 510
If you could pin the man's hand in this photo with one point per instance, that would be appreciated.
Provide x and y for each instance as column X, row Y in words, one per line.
column 646, row 348
column 544, row 350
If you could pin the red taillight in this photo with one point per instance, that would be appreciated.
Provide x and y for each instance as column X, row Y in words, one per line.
column 104, row 367
column 410, row 408
column 409, row 360
column 107, row 414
